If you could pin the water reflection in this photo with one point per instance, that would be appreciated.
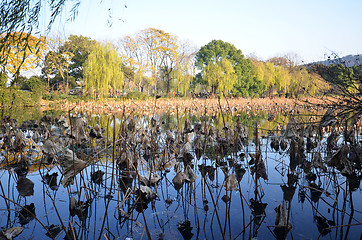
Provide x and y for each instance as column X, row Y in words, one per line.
column 189, row 177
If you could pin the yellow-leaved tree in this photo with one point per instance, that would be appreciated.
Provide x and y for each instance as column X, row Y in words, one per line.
column 134, row 60
column 152, row 53
column 24, row 52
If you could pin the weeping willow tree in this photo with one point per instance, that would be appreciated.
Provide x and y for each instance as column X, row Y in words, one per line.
column 220, row 76
column 183, row 79
column 102, row 71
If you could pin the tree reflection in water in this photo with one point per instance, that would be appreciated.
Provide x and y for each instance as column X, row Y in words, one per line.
column 183, row 177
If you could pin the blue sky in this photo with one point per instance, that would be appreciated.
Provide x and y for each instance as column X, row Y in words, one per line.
column 265, row 28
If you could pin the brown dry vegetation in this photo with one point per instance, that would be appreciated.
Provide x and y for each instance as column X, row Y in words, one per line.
column 193, row 106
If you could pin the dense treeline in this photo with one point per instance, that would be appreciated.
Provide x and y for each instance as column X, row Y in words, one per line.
column 154, row 62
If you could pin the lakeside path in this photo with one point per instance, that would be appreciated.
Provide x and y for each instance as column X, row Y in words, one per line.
column 208, row 106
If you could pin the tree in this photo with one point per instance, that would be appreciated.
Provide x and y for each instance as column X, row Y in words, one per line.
column 343, row 89
column 269, row 75
column 63, row 64
column 134, row 61
column 20, row 16
column 57, row 64
column 216, row 51
column 247, row 84
column 220, row 76
column 18, row 81
column 303, row 82
column 152, row 52
column 24, row 52
column 184, row 70
column 345, row 84
column 286, row 76
column 280, row 61
column 78, row 47
column 282, row 79
column 23, row 16
column 102, row 71
column 34, row 84
column 212, row 73
column 161, row 52
column 129, row 76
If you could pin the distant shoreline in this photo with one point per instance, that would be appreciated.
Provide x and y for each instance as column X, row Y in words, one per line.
column 209, row 106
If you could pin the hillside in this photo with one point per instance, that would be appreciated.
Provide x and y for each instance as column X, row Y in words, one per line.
column 349, row 60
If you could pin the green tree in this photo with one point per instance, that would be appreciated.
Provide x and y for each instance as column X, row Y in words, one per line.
column 102, row 71
column 56, row 64
column 78, row 47
column 212, row 73
column 216, row 51
column 247, row 84
column 63, row 64
column 34, row 84
column 269, row 75
column 283, row 74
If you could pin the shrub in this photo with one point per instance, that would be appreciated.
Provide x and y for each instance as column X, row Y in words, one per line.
column 58, row 96
column 34, row 84
column 15, row 97
column 137, row 95
column 3, row 79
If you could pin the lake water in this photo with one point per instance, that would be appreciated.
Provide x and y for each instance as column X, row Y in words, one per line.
column 232, row 197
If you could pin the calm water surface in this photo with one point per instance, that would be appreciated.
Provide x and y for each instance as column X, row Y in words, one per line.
column 323, row 203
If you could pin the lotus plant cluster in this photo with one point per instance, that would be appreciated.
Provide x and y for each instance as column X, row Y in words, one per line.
column 132, row 162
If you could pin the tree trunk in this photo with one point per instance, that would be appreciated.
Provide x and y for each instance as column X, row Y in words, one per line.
column 168, row 83
column 168, row 75
column 48, row 77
